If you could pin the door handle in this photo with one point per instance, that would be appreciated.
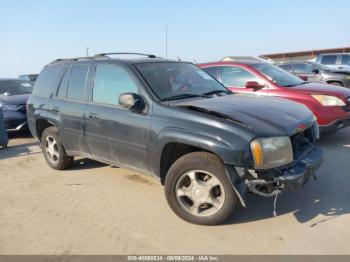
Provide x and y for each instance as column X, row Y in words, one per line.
column 56, row 109
column 93, row 116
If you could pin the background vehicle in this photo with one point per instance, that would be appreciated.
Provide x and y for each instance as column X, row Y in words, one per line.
column 339, row 61
column 315, row 72
column 174, row 121
column 30, row 78
column 3, row 132
column 14, row 94
column 330, row 104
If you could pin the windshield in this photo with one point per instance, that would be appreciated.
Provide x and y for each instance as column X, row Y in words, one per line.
column 15, row 87
column 31, row 78
column 278, row 75
column 172, row 81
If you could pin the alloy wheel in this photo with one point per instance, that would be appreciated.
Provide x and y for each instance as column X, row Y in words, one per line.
column 200, row 193
column 51, row 149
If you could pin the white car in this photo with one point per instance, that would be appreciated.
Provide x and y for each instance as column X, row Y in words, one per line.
column 338, row 61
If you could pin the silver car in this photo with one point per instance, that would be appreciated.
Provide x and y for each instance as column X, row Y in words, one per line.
column 340, row 61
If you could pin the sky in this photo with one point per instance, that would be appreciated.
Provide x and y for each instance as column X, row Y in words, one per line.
column 33, row 33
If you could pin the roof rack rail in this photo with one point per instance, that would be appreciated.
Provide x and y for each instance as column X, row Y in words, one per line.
column 140, row 54
column 73, row 59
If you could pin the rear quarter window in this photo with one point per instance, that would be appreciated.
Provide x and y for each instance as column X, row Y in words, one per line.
column 48, row 80
column 345, row 59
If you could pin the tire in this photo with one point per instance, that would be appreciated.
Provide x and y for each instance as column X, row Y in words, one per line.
column 58, row 158
column 336, row 83
column 186, row 181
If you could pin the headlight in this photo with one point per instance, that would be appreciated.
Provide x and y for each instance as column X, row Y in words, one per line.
column 271, row 152
column 8, row 107
column 329, row 100
column 347, row 77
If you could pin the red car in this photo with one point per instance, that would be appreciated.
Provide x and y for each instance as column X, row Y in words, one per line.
column 330, row 104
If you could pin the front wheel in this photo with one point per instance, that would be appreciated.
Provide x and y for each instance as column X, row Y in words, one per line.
column 198, row 190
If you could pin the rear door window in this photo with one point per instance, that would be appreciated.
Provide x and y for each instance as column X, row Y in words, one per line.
column 110, row 82
column 236, row 76
column 48, row 80
column 329, row 59
column 77, row 82
column 345, row 59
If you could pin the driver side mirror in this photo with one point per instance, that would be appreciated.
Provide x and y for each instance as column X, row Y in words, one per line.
column 315, row 71
column 254, row 85
column 132, row 101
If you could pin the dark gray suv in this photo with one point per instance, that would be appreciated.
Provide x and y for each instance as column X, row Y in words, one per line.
column 314, row 72
column 207, row 145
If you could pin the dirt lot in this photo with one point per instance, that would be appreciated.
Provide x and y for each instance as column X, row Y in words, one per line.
column 96, row 209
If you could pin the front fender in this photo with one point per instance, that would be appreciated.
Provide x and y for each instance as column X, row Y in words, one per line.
column 229, row 154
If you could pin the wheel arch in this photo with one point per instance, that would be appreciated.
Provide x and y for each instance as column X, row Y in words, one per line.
column 174, row 143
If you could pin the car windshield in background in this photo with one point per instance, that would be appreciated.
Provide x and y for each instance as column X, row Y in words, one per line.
column 278, row 75
column 173, row 81
column 15, row 87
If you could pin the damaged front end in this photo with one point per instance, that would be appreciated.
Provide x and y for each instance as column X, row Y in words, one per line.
column 270, row 182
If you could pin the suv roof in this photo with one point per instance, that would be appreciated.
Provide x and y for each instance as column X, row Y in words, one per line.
column 107, row 56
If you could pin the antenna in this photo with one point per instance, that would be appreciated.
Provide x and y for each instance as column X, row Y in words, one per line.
column 166, row 41
column 87, row 51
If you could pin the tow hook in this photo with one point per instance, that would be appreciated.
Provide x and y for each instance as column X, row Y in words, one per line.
column 253, row 184
column 278, row 192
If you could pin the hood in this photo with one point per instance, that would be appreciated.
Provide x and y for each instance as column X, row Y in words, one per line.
column 319, row 88
column 14, row 100
column 267, row 116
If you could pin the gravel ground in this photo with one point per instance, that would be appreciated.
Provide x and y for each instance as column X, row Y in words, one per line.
column 93, row 208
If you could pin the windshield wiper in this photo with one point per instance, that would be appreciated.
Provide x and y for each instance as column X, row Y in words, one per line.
column 181, row 96
column 217, row 92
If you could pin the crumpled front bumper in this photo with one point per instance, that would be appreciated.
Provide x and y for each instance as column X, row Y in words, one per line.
column 295, row 175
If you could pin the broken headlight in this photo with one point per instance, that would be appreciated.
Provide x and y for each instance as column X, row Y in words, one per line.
column 271, row 152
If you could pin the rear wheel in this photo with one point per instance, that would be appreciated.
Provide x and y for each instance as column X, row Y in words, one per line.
column 198, row 189
column 54, row 151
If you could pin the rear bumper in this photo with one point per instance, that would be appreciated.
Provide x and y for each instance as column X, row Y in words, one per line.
column 17, row 126
column 293, row 177
column 15, row 121
column 335, row 125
